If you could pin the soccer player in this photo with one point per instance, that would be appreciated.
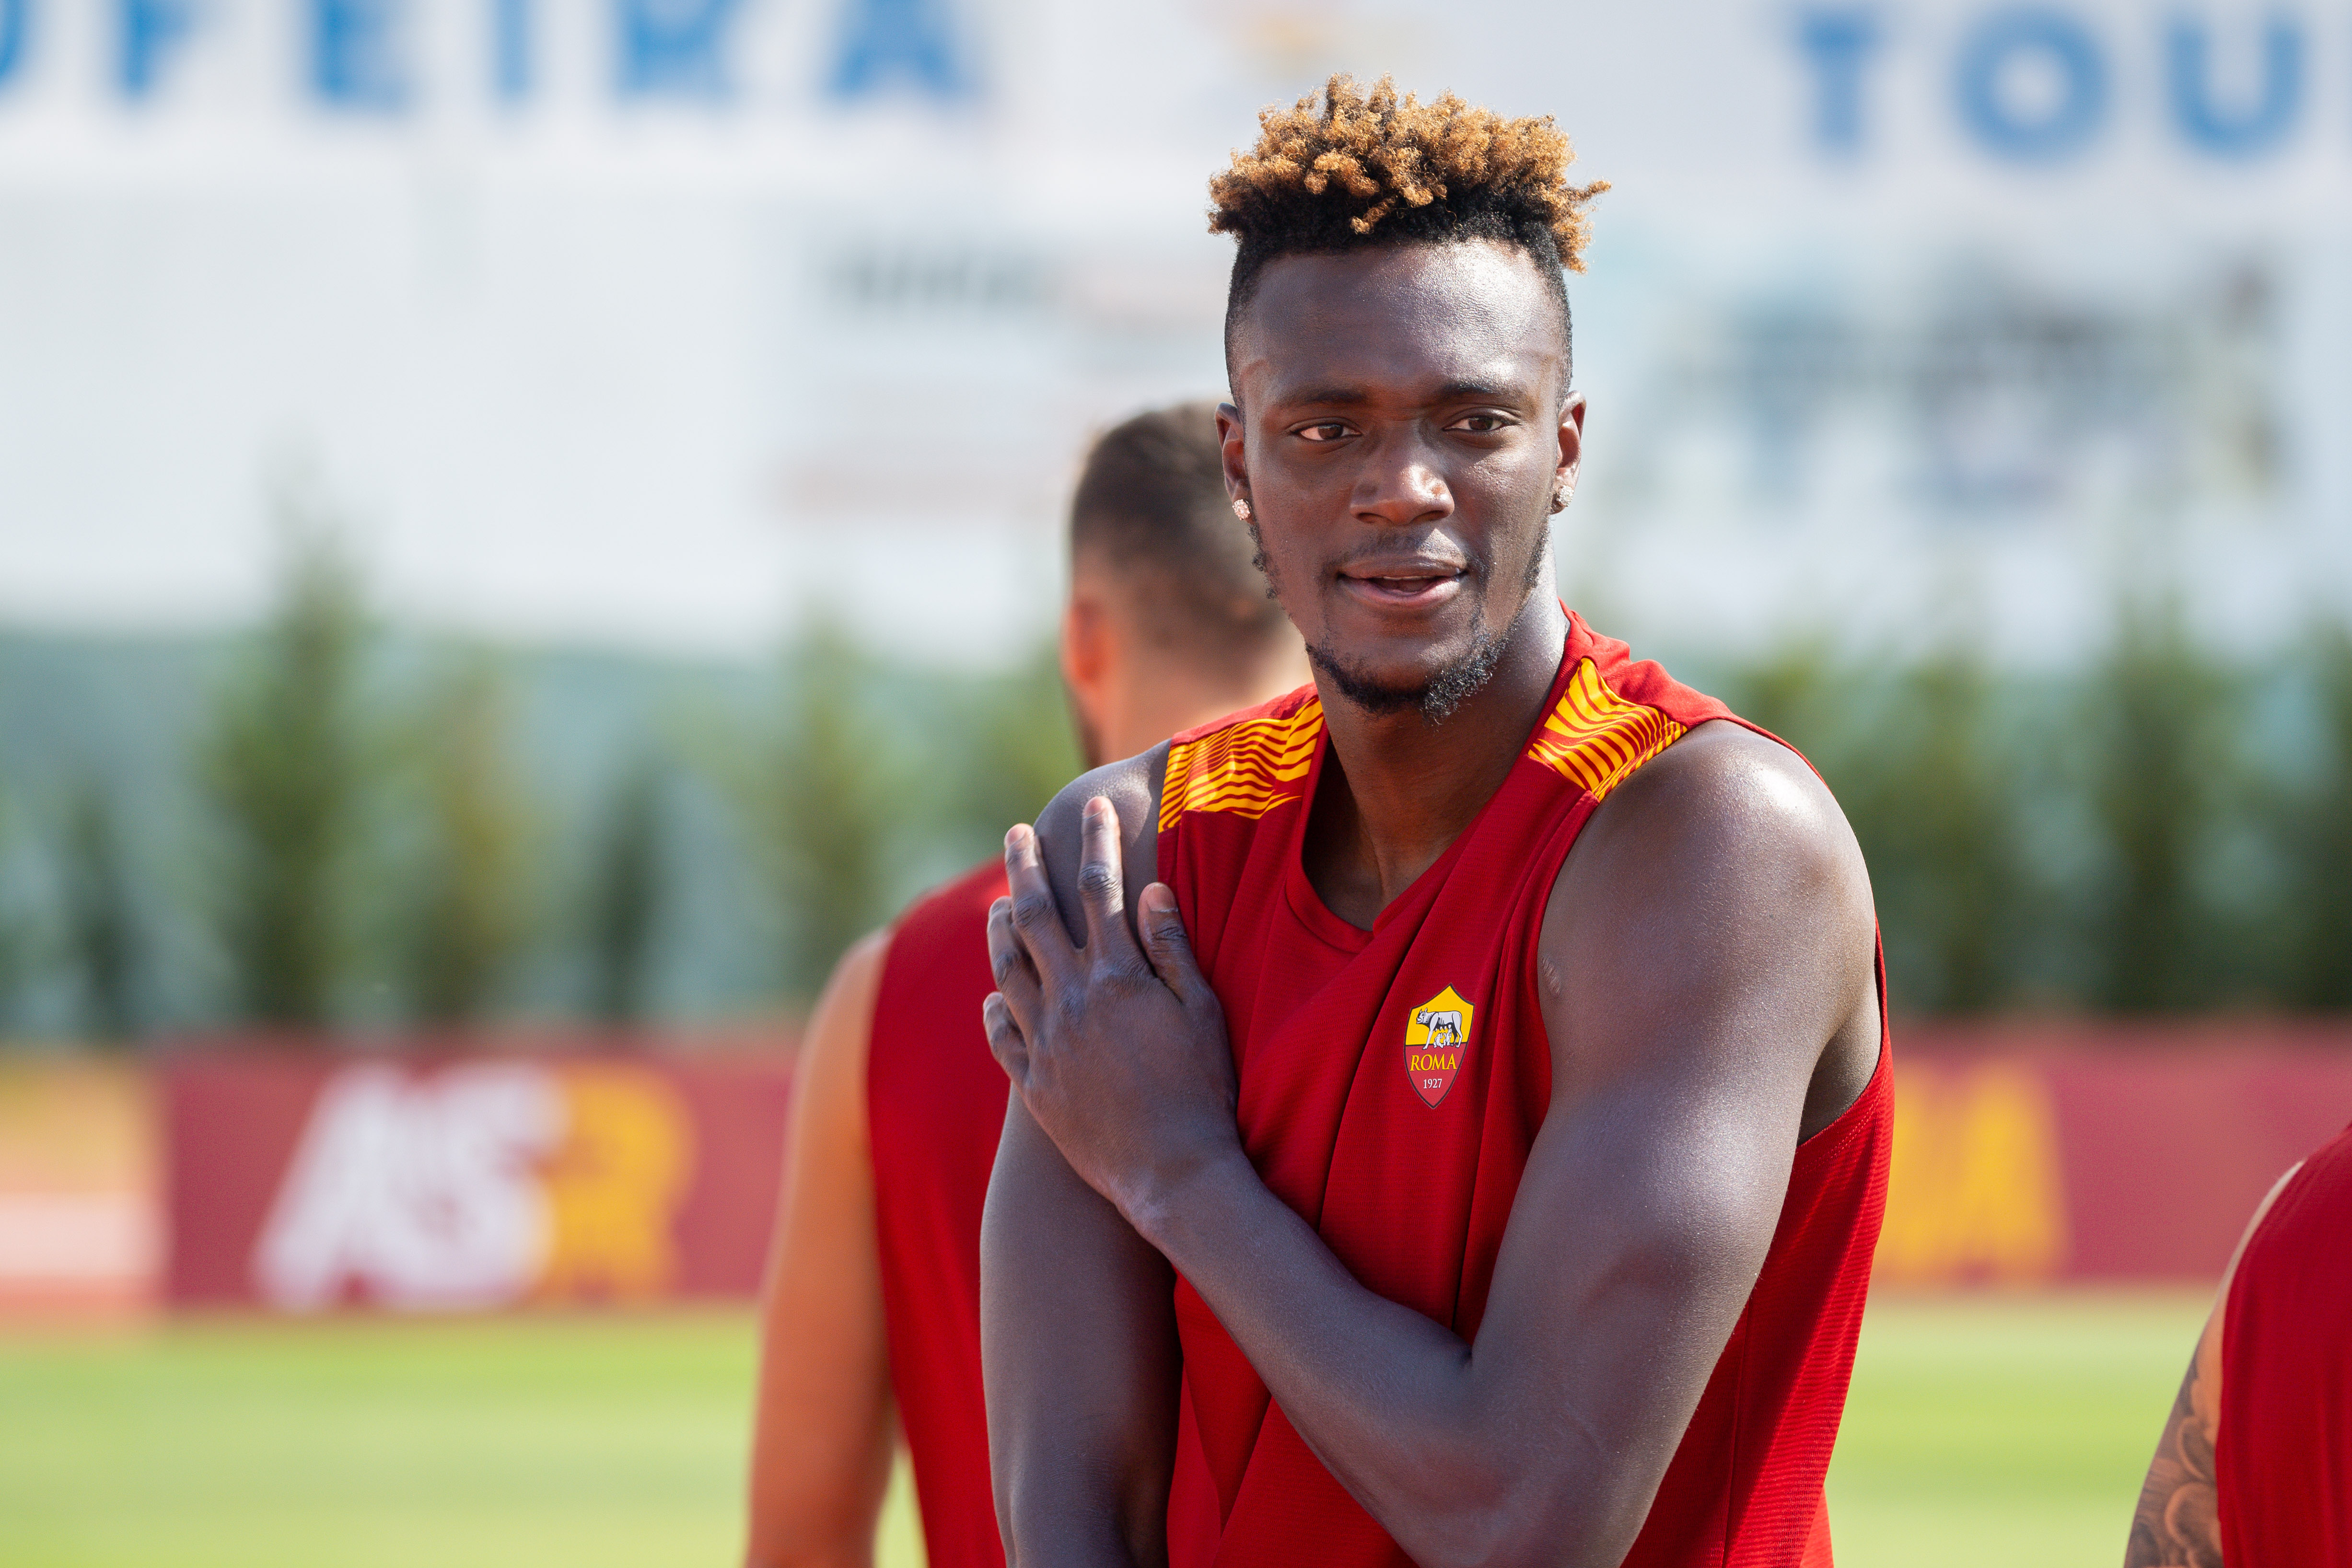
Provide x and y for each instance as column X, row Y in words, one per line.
column 2254, row 1468
column 874, row 1288
column 1471, row 1148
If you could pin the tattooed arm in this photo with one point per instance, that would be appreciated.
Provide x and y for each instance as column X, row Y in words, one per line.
column 2177, row 1524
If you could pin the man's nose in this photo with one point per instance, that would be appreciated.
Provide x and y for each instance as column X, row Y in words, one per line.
column 1402, row 486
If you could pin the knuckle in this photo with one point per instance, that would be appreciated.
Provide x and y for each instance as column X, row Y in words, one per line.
column 1096, row 880
column 1070, row 1005
column 1130, row 982
column 1032, row 910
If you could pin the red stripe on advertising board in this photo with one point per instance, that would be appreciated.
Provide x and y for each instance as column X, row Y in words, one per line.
column 230, row 1124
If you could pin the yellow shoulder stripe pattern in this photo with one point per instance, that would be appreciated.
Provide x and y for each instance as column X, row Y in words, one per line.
column 1595, row 739
column 1247, row 768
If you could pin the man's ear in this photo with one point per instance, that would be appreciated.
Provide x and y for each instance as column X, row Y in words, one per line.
column 1233, row 450
column 1086, row 655
column 1571, row 438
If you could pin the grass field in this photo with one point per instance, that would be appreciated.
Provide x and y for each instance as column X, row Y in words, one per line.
column 2005, row 1432
column 2009, row 1432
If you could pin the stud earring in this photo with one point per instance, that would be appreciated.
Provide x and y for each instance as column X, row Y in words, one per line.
column 1240, row 509
column 1560, row 495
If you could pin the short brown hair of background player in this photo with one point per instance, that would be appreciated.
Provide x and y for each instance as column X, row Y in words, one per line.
column 1151, row 508
column 1360, row 169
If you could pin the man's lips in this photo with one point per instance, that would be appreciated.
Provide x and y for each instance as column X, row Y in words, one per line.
column 1403, row 584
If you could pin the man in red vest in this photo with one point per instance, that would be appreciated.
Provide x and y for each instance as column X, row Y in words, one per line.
column 1471, row 1148
column 874, row 1290
column 2255, row 1468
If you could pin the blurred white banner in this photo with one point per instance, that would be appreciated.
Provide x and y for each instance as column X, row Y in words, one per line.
column 662, row 321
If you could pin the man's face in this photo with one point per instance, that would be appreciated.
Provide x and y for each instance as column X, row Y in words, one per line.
column 1398, row 437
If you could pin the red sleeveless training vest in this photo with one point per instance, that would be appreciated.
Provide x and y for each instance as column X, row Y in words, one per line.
column 934, row 1108
column 2283, row 1455
column 1391, row 1083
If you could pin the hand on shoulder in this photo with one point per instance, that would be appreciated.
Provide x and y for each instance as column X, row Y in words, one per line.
column 1132, row 786
column 1113, row 1038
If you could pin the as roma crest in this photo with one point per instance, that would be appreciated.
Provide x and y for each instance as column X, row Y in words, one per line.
column 1435, row 1040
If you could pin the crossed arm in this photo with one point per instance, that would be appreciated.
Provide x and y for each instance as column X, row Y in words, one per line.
column 1706, row 959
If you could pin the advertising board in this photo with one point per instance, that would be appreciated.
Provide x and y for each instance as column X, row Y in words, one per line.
column 2025, row 1156
column 2097, row 1154
column 469, row 1184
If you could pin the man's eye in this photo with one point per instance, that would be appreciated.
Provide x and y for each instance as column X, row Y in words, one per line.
column 1329, row 430
column 1480, row 423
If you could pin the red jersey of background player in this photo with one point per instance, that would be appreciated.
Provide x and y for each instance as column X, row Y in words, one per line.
column 1391, row 1083
column 2282, row 1452
column 929, row 1082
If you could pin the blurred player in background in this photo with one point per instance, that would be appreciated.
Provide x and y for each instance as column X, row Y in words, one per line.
column 1475, row 1154
column 874, row 1285
column 2254, row 1468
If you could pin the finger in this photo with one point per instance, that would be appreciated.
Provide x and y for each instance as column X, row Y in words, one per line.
column 1036, row 921
column 1162, row 926
column 1006, row 1041
column 1006, row 956
column 1008, row 962
column 1102, row 882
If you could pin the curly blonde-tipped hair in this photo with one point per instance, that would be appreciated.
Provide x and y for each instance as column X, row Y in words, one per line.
column 1356, row 156
column 1347, row 169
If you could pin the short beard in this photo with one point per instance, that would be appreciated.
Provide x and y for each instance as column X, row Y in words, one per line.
column 1437, row 697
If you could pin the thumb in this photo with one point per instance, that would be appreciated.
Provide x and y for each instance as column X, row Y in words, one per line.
column 1165, row 944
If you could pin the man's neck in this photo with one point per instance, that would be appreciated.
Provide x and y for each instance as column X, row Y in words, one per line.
column 1397, row 790
column 1150, row 710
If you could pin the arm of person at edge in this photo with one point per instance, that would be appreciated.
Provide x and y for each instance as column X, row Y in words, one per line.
column 2177, row 1524
column 823, row 1432
column 1708, row 946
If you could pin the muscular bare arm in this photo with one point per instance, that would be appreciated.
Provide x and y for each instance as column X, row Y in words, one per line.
column 1077, row 1329
column 820, row 1449
column 1709, row 998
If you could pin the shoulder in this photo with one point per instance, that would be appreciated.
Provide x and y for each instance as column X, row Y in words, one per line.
column 829, row 1076
column 2308, row 1206
column 1716, row 898
column 1132, row 786
column 1727, row 808
column 845, row 1005
column 948, row 915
